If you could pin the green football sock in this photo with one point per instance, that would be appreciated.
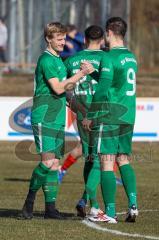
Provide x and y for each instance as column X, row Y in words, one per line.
column 85, row 196
column 86, row 171
column 38, row 177
column 129, row 182
column 93, row 182
column 108, row 185
column 50, row 186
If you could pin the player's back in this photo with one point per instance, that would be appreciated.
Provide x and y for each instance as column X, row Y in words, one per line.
column 93, row 56
column 123, row 89
column 73, row 64
column 87, row 85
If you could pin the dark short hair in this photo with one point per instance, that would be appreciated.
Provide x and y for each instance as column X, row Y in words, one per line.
column 70, row 27
column 117, row 25
column 94, row 32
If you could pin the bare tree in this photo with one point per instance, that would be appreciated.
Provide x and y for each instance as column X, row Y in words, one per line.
column 12, row 27
column 21, row 31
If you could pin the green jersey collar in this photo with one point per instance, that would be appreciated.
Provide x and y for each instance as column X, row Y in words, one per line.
column 118, row 48
column 47, row 51
column 92, row 50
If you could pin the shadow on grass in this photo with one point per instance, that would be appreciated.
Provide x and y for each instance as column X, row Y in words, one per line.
column 16, row 180
column 28, row 180
column 16, row 214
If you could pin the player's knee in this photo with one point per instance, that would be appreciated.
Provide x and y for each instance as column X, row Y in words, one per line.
column 123, row 159
column 107, row 167
column 78, row 151
column 107, row 162
column 52, row 164
column 55, row 164
column 50, row 161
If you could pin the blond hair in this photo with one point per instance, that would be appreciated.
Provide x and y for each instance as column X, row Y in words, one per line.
column 53, row 27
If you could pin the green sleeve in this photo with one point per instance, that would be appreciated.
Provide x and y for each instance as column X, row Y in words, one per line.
column 49, row 69
column 68, row 67
column 105, row 82
column 95, row 75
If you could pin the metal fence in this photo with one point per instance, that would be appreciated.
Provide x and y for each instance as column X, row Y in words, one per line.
column 25, row 20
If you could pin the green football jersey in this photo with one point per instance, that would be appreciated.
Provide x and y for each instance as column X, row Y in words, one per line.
column 86, row 87
column 48, row 107
column 116, row 92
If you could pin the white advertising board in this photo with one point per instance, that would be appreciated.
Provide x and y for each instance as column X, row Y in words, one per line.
column 147, row 120
column 15, row 120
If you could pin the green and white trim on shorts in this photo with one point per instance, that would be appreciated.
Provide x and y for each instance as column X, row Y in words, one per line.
column 114, row 139
column 49, row 137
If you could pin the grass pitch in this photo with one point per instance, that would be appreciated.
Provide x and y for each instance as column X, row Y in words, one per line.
column 14, row 181
column 22, row 85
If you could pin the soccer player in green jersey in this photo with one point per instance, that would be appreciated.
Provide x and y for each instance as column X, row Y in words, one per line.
column 115, row 101
column 83, row 93
column 48, row 119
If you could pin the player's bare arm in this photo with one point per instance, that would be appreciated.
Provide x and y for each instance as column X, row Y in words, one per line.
column 60, row 87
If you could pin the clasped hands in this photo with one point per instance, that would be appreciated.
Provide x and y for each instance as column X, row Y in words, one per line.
column 87, row 67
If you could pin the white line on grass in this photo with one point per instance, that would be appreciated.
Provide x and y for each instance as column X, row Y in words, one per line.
column 116, row 232
column 146, row 210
